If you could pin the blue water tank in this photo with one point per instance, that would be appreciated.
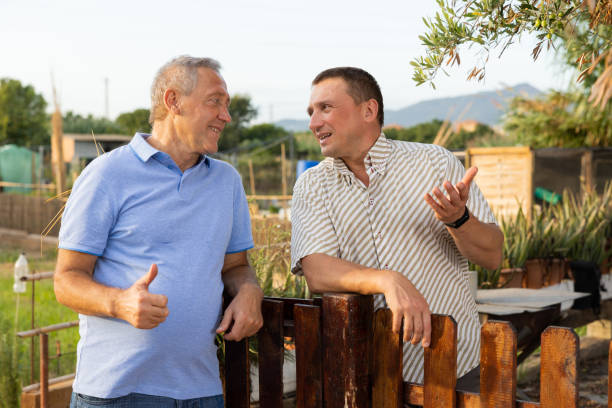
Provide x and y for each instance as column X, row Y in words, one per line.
column 303, row 165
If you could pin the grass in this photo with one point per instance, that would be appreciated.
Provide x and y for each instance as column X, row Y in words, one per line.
column 14, row 351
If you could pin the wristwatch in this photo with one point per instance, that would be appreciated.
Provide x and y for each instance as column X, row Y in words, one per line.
column 460, row 221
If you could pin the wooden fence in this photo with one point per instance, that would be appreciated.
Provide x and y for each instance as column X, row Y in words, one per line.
column 28, row 213
column 348, row 356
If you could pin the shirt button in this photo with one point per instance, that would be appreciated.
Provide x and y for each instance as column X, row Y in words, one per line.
column 371, row 201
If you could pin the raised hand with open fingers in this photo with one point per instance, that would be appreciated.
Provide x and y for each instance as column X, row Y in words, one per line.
column 139, row 307
column 449, row 207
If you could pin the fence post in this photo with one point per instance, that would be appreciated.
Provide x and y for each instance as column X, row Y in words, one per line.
column 497, row 365
column 387, row 380
column 308, row 356
column 347, row 345
column 271, row 355
column 44, row 369
column 237, row 371
column 440, row 371
column 610, row 375
column 559, row 368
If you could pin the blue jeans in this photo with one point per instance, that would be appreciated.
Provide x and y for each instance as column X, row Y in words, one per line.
column 143, row 401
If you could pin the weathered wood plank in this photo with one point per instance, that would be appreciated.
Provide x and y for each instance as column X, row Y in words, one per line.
column 271, row 354
column 610, row 376
column 440, row 371
column 237, row 387
column 498, row 364
column 413, row 396
column 387, row 382
column 308, row 355
column 559, row 368
column 347, row 344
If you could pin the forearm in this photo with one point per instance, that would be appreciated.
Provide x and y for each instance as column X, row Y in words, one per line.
column 240, row 277
column 480, row 242
column 326, row 273
column 78, row 291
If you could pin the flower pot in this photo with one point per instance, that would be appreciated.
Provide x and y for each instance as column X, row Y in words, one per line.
column 511, row 278
column 535, row 271
column 556, row 271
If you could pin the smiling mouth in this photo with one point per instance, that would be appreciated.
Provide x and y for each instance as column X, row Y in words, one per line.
column 215, row 129
column 323, row 136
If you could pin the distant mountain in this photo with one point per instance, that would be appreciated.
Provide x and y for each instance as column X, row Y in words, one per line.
column 293, row 125
column 484, row 107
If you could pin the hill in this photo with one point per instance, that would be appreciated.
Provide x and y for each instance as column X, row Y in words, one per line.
column 484, row 107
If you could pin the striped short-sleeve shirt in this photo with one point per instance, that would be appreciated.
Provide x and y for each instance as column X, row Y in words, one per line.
column 388, row 225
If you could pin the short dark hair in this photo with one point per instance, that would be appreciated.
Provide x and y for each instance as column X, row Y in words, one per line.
column 361, row 86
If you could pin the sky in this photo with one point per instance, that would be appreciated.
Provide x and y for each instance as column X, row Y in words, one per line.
column 268, row 49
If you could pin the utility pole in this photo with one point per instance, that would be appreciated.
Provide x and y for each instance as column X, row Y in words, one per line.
column 106, row 110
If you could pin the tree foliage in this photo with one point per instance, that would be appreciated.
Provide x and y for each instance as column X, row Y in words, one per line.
column 242, row 112
column 135, row 121
column 23, row 120
column 561, row 119
column 581, row 28
column 76, row 123
column 426, row 132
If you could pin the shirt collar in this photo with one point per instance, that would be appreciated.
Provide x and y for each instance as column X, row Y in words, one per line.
column 376, row 158
column 145, row 151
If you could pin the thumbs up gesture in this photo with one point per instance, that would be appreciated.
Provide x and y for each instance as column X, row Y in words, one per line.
column 140, row 308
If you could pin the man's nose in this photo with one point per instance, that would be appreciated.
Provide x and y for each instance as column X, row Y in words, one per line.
column 224, row 115
column 315, row 122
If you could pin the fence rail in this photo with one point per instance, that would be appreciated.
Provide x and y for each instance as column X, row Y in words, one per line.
column 348, row 356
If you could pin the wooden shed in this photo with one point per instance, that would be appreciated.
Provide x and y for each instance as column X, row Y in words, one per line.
column 505, row 177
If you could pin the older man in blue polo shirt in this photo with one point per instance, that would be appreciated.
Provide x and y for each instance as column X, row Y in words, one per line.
column 152, row 234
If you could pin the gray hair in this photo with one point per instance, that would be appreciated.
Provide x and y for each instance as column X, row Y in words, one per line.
column 181, row 74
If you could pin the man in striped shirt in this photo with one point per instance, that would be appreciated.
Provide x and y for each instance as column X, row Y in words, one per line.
column 391, row 218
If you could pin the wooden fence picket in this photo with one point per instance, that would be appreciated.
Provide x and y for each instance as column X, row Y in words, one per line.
column 237, row 371
column 559, row 368
column 308, row 364
column 387, row 382
column 347, row 341
column 440, row 379
column 610, row 375
column 497, row 365
column 271, row 355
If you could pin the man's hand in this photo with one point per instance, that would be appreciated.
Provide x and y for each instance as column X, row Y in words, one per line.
column 407, row 303
column 140, row 308
column 449, row 208
column 243, row 314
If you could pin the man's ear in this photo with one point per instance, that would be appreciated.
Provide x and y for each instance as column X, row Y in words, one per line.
column 370, row 110
column 171, row 101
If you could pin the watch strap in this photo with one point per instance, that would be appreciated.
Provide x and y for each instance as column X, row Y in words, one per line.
column 462, row 220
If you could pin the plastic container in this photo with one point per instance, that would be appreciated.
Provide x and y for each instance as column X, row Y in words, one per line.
column 21, row 269
column 303, row 165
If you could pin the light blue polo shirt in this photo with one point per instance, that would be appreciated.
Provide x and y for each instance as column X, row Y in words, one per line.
column 133, row 207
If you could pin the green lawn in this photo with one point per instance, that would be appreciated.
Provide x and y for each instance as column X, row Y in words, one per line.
column 14, row 319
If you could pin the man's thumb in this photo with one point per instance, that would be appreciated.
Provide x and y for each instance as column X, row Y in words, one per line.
column 148, row 278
